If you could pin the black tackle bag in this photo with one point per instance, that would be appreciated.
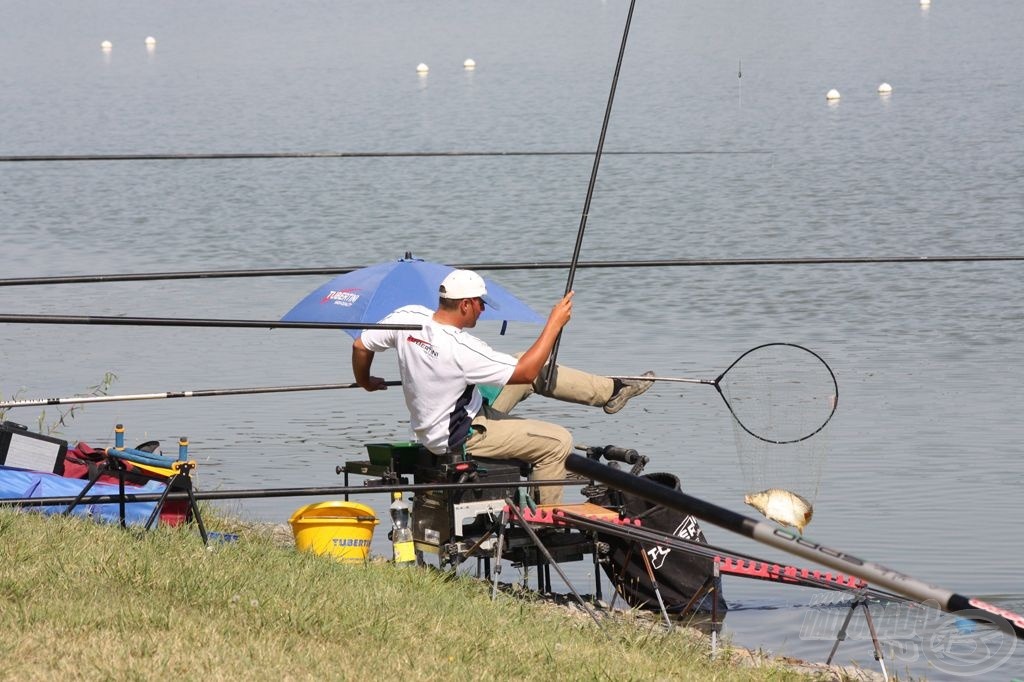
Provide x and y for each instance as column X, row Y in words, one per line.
column 680, row 574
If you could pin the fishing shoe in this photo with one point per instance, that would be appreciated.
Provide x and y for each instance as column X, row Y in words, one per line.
column 630, row 388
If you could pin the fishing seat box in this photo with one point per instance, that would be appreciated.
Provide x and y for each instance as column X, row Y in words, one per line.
column 440, row 516
column 23, row 449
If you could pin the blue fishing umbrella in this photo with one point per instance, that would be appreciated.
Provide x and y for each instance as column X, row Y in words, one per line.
column 369, row 294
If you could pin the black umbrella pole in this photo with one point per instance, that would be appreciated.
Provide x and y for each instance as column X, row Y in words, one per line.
column 794, row 543
column 276, row 492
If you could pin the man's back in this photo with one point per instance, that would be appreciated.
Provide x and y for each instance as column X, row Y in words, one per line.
column 440, row 366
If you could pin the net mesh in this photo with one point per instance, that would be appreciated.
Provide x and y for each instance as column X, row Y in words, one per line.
column 781, row 396
column 780, row 392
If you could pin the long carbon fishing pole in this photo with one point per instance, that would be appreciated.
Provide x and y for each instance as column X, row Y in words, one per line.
column 202, row 393
column 191, row 322
column 526, row 265
column 256, row 493
column 216, row 156
column 550, row 371
column 794, row 543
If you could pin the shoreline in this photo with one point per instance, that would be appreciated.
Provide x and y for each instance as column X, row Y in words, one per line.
column 281, row 534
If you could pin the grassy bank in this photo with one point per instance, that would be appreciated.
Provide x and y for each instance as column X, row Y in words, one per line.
column 80, row 600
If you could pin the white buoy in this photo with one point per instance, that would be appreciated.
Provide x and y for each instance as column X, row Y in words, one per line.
column 106, row 46
column 469, row 64
column 884, row 89
column 832, row 94
column 422, row 68
column 150, row 41
column 925, row 3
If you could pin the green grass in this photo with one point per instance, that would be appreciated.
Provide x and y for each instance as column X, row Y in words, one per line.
column 80, row 600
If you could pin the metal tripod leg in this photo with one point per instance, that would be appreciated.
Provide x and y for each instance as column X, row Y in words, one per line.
column 544, row 550
column 657, row 590
column 859, row 601
column 498, row 548
column 160, row 503
column 82, row 493
column 716, row 583
column 874, row 638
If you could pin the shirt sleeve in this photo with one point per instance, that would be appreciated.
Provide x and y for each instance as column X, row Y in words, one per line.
column 378, row 340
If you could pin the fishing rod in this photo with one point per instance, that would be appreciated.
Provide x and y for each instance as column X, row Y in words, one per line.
column 202, row 393
column 525, row 265
column 780, row 538
column 550, row 372
column 734, row 563
column 192, row 322
column 256, row 493
column 216, row 156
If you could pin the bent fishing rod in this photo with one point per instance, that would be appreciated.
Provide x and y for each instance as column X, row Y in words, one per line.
column 971, row 607
column 550, row 371
column 524, row 265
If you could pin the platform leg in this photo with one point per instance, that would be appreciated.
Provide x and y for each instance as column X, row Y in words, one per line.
column 874, row 638
column 551, row 561
column 82, row 494
column 657, row 590
column 842, row 631
column 498, row 548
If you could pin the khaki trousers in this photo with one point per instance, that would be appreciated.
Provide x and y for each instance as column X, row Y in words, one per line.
column 498, row 435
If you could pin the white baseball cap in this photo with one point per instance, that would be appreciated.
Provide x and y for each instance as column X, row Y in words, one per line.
column 464, row 284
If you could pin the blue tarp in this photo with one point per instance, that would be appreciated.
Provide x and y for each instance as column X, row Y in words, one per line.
column 17, row 483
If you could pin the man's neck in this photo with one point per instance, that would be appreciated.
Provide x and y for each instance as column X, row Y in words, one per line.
column 451, row 318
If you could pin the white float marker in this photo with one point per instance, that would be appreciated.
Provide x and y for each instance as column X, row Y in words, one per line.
column 150, row 42
column 106, row 46
column 469, row 64
column 832, row 95
column 422, row 68
column 884, row 89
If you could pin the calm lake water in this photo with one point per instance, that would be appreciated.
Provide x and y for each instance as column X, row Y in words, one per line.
column 922, row 463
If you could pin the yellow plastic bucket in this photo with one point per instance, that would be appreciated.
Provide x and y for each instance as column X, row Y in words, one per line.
column 339, row 529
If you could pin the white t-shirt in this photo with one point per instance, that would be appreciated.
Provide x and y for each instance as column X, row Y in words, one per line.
column 440, row 367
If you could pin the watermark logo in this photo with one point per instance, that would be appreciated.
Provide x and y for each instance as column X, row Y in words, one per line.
column 345, row 297
column 966, row 643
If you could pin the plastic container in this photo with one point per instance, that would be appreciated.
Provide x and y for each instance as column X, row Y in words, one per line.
column 402, row 456
column 342, row 530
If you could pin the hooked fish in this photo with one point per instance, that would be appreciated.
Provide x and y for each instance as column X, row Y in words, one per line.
column 782, row 506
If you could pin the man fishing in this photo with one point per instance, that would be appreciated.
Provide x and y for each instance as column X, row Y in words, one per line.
column 442, row 367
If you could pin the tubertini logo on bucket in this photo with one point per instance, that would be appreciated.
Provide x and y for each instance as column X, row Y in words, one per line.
column 349, row 542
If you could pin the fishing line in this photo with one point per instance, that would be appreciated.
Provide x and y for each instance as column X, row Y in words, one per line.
column 526, row 265
column 779, row 393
